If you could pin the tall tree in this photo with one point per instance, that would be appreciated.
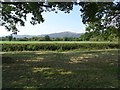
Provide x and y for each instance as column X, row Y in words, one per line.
column 100, row 17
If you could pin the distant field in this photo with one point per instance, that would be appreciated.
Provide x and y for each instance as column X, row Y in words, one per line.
column 33, row 42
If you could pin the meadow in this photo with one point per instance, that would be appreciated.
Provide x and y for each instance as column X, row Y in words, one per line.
column 31, row 42
column 74, row 68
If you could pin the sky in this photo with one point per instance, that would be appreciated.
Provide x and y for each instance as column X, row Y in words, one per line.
column 54, row 23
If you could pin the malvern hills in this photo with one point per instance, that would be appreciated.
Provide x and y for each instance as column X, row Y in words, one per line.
column 52, row 35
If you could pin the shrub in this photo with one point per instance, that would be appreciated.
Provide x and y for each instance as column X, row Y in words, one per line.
column 57, row 46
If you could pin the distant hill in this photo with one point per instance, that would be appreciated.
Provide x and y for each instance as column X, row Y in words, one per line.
column 52, row 35
column 64, row 34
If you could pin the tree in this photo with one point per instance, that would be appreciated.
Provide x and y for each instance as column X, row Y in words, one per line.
column 15, row 13
column 86, row 36
column 10, row 37
column 97, row 16
column 47, row 38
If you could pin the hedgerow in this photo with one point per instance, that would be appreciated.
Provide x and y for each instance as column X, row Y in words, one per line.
column 57, row 46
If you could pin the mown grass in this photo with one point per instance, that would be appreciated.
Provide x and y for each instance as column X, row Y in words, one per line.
column 31, row 42
column 52, row 69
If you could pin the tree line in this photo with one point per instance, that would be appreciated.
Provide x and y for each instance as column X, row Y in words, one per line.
column 45, row 38
column 84, row 37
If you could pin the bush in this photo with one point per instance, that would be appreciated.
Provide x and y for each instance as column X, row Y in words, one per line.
column 57, row 46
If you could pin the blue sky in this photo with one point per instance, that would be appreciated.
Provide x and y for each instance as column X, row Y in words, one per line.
column 54, row 22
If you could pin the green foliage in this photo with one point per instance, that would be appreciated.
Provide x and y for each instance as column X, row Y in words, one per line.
column 66, row 39
column 7, row 38
column 47, row 38
column 57, row 46
column 100, row 17
column 110, row 34
column 14, row 13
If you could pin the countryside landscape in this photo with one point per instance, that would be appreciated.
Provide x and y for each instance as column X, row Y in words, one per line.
column 64, row 59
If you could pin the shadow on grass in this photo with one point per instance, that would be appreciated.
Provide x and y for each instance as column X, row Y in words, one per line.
column 60, row 70
column 7, row 60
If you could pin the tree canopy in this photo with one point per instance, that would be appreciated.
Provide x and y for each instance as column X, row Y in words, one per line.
column 14, row 13
column 99, row 17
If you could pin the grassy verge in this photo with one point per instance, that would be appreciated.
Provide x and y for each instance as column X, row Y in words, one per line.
column 52, row 69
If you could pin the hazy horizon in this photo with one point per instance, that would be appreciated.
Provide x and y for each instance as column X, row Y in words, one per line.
column 43, row 34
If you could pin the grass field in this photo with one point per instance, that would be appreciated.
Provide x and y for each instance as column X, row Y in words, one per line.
column 33, row 42
column 52, row 69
